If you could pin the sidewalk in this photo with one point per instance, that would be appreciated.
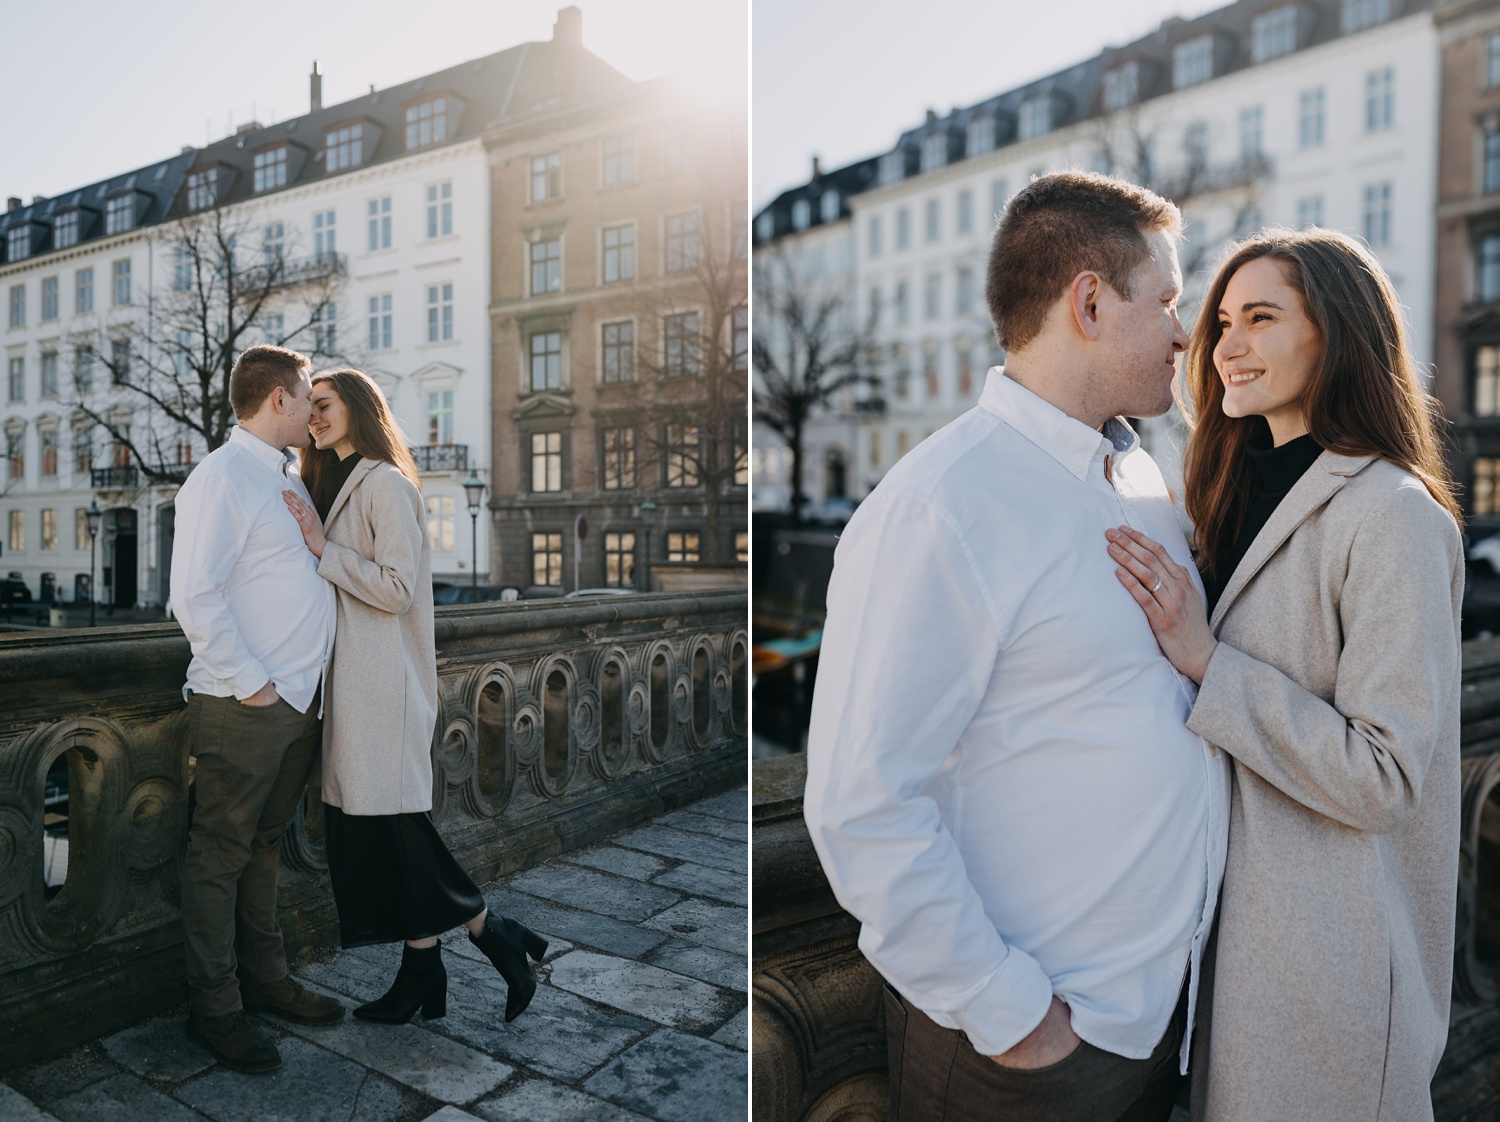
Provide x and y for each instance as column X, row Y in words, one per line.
column 641, row 1011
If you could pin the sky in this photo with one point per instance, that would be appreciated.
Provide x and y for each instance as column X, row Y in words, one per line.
column 100, row 87
column 843, row 78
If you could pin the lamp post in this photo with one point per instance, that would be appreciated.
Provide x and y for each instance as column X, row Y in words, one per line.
column 474, row 493
column 647, row 508
column 93, row 514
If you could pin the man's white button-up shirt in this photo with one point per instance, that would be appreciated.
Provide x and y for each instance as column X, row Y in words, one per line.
column 245, row 587
column 1001, row 784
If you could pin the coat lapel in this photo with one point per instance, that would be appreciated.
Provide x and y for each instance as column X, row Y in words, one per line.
column 1310, row 493
column 361, row 469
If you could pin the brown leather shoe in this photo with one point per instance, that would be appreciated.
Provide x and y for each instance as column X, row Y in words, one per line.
column 289, row 999
column 235, row 1041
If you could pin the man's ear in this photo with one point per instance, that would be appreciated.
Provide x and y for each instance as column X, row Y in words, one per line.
column 1083, row 300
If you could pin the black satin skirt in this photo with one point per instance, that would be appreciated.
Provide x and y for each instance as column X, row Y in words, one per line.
column 393, row 878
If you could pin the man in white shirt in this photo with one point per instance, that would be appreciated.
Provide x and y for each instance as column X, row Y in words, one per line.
column 1001, row 785
column 260, row 621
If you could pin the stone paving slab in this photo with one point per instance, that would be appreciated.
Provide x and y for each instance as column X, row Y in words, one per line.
column 69, row 1072
column 720, row 853
column 426, row 1062
column 645, row 990
column 621, row 862
column 736, row 1031
column 16, row 1107
column 716, row 884
column 451, row 1114
column 734, row 805
column 707, row 964
column 541, row 1100
column 707, row 922
column 694, row 823
column 675, row 1077
column 618, row 897
column 457, row 942
column 311, row 1085
column 121, row 1098
column 599, row 932
column 158, row 1049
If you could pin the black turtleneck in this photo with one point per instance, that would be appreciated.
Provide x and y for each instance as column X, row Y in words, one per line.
column 334, row 477
column 1275, row 472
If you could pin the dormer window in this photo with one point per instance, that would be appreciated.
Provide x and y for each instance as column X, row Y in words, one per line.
column 344, row 146
column 981, row 134
column 1273, row 33
column 202, row 188
column 119, row 213
column 18, row 242
column 65, row 229
column 427, row 122
column 270, row 168
column 1360, row 14
column 801, row 214
column 1122, row 87
column 765, row 226
column 828, row 206
column 1039, row 116
column 892, row 167
column 935, row 150
column 1192, row 62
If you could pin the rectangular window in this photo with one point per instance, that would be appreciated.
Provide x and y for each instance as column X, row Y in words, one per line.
column 682, row 546
column 979, row 137
column 618, row 341
column 182, row 269
column 546, row 361
column 1273, row 34
column 274, row 244
column 546, row 267
column 741, row 546
column 873, row 233
column 1251, row 118
column 427, row 123
column 17, row 528
column 546, row 559
column 270, row 169
column 619, row 160
column 439, row 416
column 83, row 368
column 680, row 339
column 546, row 461
column 15, row 451
column 999, row 196
column 965, row 303
column 82, row 539
column 1310, row 211
column 1483, row 490
column 1192, row 62
column 1377, row 215
column 203, row 188
column 546, row 177
column 325, row 234
column 440, row 510
column 65, row 230
column 49, row 453
column 49, row 530
column 828, row 205
column 326, row 329
column 1360, row 14
column 83, row 456
column 83, row 291
column 684, row 248
column 1486, row 399
column 619, row 253
column 18, row 305
column 16, row 381
column 682, row 455
column 119, row 214
column 121, row 273
column 619, row 560
column 1492, row 60
column 1310, row 116
column 439, row 313
column 380, row 322
column 934, row 220
column 933, row 296
column 380, row 223
column 964, row 219
column 439, row 210
column 1380, row 99
column 1121, row 87
column 1488, row 262
column 619, row 459
column 49, row 374
column 119, row 361
column 49, row 298
column 1036, row 117
column 903, row 311
column 182, row 353
column 344, row 147
column 903, row 228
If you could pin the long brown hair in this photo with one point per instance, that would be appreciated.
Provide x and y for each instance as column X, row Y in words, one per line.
column 372, row 429
column 1364, row 397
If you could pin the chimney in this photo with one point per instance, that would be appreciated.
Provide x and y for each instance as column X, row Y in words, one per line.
column 569, row 27
column 817, row 168
column 567, row 33
column 317, row 88
column 931, row 116
column 12, row 203
column 38, row 199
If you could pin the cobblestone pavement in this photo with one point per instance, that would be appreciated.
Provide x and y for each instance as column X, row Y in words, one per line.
column 641, row 1011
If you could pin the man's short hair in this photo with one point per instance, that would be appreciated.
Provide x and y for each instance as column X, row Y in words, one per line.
column 258, row 371
column 1058, row 226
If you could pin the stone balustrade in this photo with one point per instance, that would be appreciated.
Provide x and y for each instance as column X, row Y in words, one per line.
column 817, row 1010
column 561, row 722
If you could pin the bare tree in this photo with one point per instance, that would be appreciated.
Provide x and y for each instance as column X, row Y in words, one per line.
column 226, row 291
column 805, row 351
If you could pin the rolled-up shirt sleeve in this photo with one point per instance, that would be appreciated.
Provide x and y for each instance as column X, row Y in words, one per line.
column 910, row 644
column 212, row 527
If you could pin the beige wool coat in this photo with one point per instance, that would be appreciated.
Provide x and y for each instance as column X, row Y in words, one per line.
column 381, row 700
column 1335, row 688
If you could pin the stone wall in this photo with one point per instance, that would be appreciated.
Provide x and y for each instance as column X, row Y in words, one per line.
column 819, row 1033
column 561, row 722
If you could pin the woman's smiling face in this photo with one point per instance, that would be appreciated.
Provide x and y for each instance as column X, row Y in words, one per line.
column 330, row 419
column 1268, row 349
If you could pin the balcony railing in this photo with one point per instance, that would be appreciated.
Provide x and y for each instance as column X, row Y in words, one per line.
column 115, row 478
column 442, row 457
column 293, row 270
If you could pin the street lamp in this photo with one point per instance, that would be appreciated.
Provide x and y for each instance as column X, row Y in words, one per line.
column 647, row 507
column 93, row 514
column 474, row 492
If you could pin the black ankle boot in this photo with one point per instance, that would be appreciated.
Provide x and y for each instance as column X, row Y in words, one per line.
column 421, row 982
column 506, row 943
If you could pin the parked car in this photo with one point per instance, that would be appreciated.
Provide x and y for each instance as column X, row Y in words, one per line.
column 13, row 590
column 467, row 594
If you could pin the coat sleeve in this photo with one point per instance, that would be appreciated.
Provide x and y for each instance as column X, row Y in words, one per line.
column 1360, row 759
column 388, row 579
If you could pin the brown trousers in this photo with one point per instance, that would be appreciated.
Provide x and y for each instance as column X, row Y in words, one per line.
column 937, row 1076
column 253, row 764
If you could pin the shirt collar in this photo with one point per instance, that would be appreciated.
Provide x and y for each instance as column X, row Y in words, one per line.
column 273, row 458
column 1068, row 441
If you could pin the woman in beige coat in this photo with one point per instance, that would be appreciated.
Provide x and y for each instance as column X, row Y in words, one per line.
column 393, row 878
column 1328, row 669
